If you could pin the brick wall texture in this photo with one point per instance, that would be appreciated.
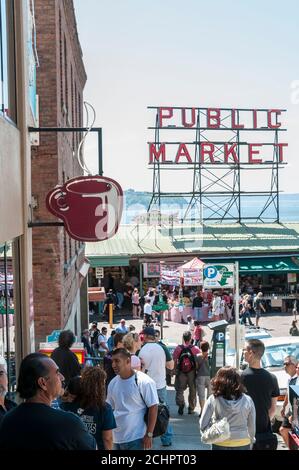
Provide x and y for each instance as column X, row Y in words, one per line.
column 60, row 81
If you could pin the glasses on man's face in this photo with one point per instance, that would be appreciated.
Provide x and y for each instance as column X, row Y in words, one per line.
column 287, row 364
column 57, row 373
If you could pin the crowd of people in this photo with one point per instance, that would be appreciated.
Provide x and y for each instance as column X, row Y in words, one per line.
column 124, row 379
column 220, row 305
column 108, row 401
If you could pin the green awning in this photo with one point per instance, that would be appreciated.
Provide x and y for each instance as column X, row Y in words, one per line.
column 271, row 264
column 108, row 261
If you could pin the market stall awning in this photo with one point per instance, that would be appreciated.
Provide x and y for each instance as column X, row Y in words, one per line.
column 195, row 263
column 108, row 261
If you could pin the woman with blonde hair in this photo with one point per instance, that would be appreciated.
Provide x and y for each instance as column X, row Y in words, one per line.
column 96, row 414
column 132, row 343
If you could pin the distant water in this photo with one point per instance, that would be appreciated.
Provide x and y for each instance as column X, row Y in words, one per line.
column 288, row 208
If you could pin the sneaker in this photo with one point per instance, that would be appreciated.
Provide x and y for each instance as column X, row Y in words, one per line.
column 181, row 410
column 190, row 412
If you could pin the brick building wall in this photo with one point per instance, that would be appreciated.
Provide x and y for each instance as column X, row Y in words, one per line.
column 60, row 81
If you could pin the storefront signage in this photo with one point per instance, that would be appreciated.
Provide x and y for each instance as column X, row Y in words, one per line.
column 221, row 150
column 192, row 277
column 156, row 218
column 99, row 273
column 151, row 270
column 90, row 207
column 292, row 278
column 218, row 276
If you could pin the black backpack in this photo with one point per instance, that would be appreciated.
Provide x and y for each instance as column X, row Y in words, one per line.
column 186, row 361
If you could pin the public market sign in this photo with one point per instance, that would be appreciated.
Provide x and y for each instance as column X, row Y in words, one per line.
column 90, row 207
column 218, row 276
column 221, row 150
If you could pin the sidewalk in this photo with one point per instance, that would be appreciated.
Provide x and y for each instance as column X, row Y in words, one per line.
column 186, row 431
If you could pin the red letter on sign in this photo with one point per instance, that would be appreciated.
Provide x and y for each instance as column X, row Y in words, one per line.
column 254, row 119
column 235, row 125
column 193, row 116
column 164, row 113
column 254, row 152
column 209, row 151
column 156, row 153
column 213, row 114
column 280, row 150
column 230, row 150
column 183, row 152
column 270, row 125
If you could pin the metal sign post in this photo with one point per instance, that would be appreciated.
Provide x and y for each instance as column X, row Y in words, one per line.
column 237, row 329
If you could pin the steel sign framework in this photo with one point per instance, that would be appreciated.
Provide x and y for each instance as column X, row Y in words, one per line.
column 219, row 164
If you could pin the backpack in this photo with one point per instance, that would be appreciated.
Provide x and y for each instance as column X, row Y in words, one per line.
column 186, row 361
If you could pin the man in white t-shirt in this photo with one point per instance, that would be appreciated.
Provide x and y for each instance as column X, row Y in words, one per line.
column 154, row 363
column 148, row 312
column 103, row 342
column 129, row 394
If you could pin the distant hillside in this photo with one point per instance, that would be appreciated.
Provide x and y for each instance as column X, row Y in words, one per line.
column 288, row 204
column 143, row 198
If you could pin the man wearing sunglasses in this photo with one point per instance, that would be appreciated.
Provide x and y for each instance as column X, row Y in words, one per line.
column 291, row 367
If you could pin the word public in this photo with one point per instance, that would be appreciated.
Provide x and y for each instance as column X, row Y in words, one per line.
column 231, row 150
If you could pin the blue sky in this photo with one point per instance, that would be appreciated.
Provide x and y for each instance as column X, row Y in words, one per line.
column 185, row 53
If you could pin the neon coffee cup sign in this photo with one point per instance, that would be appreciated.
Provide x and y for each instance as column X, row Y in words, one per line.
column 90, row 207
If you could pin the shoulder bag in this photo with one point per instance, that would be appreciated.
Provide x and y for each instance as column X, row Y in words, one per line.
column 162, row 417
column 218, row 431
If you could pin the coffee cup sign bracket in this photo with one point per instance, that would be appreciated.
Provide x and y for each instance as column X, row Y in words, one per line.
column 90, row 207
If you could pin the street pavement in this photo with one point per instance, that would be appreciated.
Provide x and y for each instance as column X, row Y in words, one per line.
column 186, row 432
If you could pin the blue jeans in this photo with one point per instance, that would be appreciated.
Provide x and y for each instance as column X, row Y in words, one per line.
column 215, row 447
column 198, row 313
column 167, row 437
column 245, row 316
column 120, row 299
column 133, row 445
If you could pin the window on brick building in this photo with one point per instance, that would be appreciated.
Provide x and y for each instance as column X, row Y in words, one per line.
column 8, row 106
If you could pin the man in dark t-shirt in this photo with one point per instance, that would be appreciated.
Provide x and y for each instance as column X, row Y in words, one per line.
column 34, row 425
column 261, row 386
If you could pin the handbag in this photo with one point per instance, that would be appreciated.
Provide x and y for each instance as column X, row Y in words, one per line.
column 162, row 417
column 218, row 431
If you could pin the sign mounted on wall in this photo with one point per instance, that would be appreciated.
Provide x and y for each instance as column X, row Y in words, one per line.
column 99, row 273
column 218, row 276
column 90, row 207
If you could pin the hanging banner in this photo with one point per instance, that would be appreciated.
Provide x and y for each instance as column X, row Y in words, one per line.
column 192, row 277
column 170, row 278
column 218, row 276
column 90, row 207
